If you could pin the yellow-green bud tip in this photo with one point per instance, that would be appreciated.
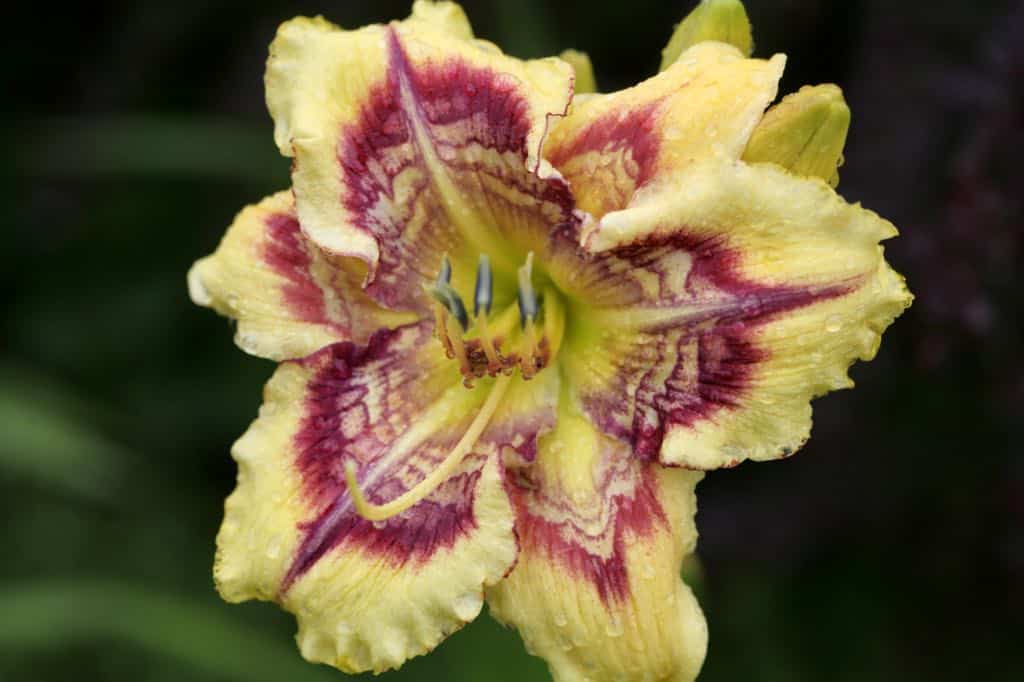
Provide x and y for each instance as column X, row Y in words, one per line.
column 722, row 20
column 581, row 66
column 804, row 133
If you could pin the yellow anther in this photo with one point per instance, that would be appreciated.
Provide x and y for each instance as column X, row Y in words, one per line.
column 381, row 512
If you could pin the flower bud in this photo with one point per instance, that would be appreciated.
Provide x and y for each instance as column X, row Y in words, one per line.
column 722, row 20
column 804, row 133
column 580, row 63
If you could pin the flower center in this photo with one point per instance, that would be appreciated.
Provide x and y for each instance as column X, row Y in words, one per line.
column 483, row 344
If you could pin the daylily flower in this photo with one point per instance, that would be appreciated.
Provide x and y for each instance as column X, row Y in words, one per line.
column 514, row 328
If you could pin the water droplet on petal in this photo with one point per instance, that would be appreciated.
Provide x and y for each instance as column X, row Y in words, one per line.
column 560, row 619
column 833, row 324
column 614, row 627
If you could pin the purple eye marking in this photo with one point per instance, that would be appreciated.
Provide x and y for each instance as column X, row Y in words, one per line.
column 713, row 352
column 458, row 105
column 286, row 254
column 358, row 402
column 546, row 525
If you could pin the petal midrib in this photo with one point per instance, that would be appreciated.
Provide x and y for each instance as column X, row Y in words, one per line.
column 466, row 219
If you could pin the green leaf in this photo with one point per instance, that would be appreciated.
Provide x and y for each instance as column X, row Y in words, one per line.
column 44, row 615
column 48, row 439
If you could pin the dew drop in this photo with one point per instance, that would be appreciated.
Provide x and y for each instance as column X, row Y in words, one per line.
column 614, row 627
column 833, row 324
column 560, row 619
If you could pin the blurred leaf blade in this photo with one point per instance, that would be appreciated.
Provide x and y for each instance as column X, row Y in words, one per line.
column 47, row 442
column 51, row 614
column 141, row 145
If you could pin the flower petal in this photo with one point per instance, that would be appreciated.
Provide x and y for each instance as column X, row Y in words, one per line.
column 705, row 104
column 368, row 596
column 596, row 591
column 411, row 141
column 743, row 293
column 290, row 298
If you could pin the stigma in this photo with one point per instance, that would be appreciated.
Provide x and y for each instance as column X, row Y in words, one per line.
column 524, row 336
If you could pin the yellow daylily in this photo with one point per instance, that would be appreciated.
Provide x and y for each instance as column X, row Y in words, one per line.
column 514, row 329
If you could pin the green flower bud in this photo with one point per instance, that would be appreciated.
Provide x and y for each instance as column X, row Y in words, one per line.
column 804, row 133
column 722, row 20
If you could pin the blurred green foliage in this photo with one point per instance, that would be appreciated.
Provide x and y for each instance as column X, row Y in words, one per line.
column 883, row 552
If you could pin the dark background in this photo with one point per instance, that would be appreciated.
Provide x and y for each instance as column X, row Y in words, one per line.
column 889, row 549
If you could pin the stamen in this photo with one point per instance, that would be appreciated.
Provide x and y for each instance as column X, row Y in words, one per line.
column 527, row 296
column 441, row 328
column 382, row 512
column 446, row 295
column 528, row 309
column 528, row 361
column 482, row 300
column 459, row 349
column 444, row 275
column 484, row 286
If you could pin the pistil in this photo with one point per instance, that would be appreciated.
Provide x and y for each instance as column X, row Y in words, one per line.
column 381, row 512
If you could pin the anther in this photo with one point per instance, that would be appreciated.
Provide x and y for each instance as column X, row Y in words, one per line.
column 482, row 299
column 444, row 275
column 527, row 295
column 484, row 286
column 446, row 295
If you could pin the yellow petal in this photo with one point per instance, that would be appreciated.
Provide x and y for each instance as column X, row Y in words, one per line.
column 804, row 133
column 705, row 105
column 724, row 21
column 412, row 141
column 596, row 591
column 585, row 81
column 368, row 596
column 763, row 287
column 289, row 297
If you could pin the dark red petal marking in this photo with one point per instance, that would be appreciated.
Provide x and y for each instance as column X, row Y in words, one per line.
column 709, row 352
column 287, row 253
column 458, row 105
column 359, row 403
column 549, row 524
column 625, row 147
